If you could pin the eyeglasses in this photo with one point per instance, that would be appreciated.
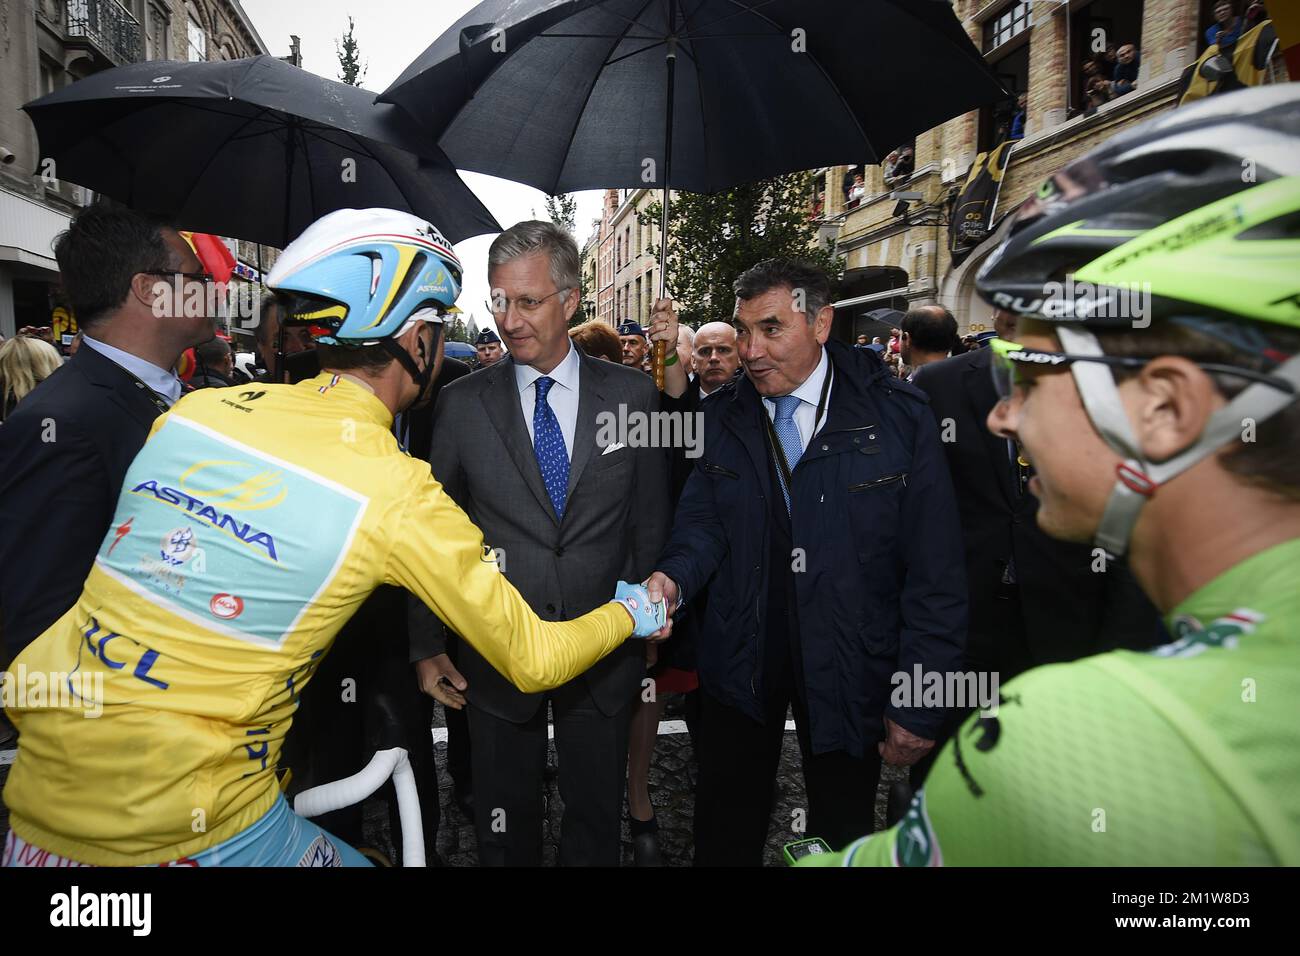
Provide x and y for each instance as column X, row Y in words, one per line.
column 1010, row 357
column 207, row 277
column 526, row 303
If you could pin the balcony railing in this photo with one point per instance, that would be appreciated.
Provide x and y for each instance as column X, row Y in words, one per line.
column 109, row 26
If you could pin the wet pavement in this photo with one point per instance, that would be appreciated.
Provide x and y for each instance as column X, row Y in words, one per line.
column 672, row 792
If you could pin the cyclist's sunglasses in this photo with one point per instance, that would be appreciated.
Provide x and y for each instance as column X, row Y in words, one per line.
column 1011, row 358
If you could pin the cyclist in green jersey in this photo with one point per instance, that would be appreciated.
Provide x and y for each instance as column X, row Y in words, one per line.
column 1153, row 386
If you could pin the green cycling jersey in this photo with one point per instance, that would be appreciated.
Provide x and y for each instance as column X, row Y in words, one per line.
column 1187, row 755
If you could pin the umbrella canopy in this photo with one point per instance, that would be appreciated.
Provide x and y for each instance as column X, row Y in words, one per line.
column 891, row 316
column 571, row 94
column 253, row 148
column 459, row 350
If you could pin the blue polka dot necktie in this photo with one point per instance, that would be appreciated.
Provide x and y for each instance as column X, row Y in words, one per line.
column 788, row 433
column 548, row 446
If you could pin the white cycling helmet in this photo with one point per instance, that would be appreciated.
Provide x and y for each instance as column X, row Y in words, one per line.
column 366, row 274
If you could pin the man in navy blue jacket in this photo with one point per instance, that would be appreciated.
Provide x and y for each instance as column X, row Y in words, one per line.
column 822, row 518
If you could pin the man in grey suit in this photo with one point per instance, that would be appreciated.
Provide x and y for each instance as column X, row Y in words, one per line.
column 515, row 446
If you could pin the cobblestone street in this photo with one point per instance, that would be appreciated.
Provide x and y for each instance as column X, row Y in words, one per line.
column 672, row 787
column 672, row 791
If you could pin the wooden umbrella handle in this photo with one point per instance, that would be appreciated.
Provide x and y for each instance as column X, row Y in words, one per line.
column 657, row 363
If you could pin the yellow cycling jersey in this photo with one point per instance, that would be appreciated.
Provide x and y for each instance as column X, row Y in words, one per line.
column 250, row 527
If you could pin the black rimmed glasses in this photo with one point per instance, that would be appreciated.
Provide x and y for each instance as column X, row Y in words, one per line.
column 1011, row 358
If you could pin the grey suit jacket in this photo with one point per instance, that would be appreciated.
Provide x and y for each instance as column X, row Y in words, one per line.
column 616, row 517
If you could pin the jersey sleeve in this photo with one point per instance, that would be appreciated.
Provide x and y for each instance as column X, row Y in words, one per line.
column 439, row 556
column 1073, row 769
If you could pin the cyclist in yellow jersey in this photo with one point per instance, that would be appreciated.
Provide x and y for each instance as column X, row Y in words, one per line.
column 1154, row 386
column 250, row 527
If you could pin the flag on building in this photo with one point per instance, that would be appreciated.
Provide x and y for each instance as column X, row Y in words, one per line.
column 972, row 214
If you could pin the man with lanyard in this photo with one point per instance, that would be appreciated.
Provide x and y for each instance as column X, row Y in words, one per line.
column 1135, row 410
column 249, row 529
column 64, row 452
column 822, row 520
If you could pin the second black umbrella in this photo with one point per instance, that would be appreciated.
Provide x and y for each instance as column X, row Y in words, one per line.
column 255, row 149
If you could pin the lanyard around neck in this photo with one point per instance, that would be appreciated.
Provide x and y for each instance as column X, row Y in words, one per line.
column 146, row 391
column 782, row 465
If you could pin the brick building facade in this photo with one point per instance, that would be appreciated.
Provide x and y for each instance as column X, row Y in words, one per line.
column 619, row 258
column 1037, row 49
column 48, row 44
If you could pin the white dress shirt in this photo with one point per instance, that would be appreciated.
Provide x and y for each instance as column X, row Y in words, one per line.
column 809, row 393
column 164, row 383
column 563, row 396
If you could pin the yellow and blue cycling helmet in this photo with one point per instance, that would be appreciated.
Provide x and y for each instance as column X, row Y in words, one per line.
column 362, row 276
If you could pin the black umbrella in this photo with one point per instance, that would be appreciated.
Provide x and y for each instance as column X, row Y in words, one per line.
column 890, row 317
column 573, row 94
column 688, row 94
column 252, row 148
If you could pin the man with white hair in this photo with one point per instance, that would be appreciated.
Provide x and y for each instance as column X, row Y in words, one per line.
column 685, row 346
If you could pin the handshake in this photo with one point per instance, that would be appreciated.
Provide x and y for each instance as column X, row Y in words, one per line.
column 648, row 603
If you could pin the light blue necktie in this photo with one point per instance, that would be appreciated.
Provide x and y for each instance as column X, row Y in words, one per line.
column 548, row 447
column 788, row 433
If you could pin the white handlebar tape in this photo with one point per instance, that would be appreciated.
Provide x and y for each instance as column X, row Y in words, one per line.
column 352, row 790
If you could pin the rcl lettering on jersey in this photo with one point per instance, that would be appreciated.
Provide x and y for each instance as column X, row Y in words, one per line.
column 103, row 909
column 143, row 664
column 204, row 512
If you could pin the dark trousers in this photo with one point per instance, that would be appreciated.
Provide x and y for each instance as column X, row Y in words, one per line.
column 738, row 759
column 458, row 762
column 509, row 762
column 419, row 749
column 334, row 734
column 998, row 645
column 458, row 750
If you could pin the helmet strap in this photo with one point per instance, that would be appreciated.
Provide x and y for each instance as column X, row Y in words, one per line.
column 1136, row 479
column 1100, row 395
column 420, row 376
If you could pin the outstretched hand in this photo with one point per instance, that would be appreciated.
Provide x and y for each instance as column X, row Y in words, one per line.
column 661, row 587
column 649, row 617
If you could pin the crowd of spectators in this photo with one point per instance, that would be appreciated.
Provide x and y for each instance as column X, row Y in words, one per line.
column 1231, row 21
column 25, row 362
column 1110, row 75
column 745, row 652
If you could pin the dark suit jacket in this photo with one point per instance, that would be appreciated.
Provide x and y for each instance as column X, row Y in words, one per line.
column 615, row 520
column 1067, row 610
column 209, row 379
column 419, row 422
column 880, row 588
column 417, row 425
column 680, row 466
column 63, row 454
